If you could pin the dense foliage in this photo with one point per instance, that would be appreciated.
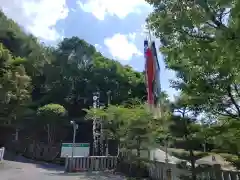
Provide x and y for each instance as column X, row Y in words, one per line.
column 41, row 85
column 131, row 126
column 33, row 75
column 200, row 42
column 15, row 87
column 42, row 88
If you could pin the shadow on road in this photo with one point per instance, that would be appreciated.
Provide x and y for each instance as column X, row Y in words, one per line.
column 91, row 175
column 42, row 165
column 20, row 168
column 49, row 166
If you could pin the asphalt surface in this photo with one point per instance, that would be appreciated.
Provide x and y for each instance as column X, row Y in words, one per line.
column 27, row 170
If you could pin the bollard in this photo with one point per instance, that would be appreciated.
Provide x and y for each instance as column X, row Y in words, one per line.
column 2, row 150
column 169, row 175
column 66, row 164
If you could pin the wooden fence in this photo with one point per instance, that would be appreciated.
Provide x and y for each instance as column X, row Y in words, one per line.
column 157, row 170
column 161, row 171
column 2, row 150
column 91, row 163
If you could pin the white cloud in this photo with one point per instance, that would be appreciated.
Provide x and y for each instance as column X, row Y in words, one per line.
column 132, row 36
column 120, row 8
column 98, row 46
column 121, row 47
column 37, row 16
column 73, row 10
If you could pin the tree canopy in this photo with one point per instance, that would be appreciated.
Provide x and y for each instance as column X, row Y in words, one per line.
column 67, row 74
column 199, row 41
column 41, row 84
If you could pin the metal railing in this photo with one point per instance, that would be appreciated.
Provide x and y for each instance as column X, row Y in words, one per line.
column 159, row 171
column 91, row 163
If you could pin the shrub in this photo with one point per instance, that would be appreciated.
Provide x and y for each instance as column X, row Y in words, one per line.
column 183, row 154
column 133, row 168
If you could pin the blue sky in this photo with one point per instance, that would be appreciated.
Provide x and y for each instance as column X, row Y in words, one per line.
column 115, row 27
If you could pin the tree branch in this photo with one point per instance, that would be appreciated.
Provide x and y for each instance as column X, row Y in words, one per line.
column 229, row 91
column 219, row 24
column 236, row 89
column 202, row 37
column 228, row 114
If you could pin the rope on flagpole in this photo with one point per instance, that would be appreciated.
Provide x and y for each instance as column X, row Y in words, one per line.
column 149, row 32
column 148, row 36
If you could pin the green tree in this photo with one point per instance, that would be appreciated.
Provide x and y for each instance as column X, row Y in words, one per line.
column 15, row 87
column 67, row 74
column 131, row 126
column 185, row 131
column 28, row 47
column 160, row 125
column 138, row 130
column 200, row 43
column 78, row 65
column 49, row 117
column 225, row 135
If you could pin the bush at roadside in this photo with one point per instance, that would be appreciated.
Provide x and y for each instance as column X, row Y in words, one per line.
column 182, row 154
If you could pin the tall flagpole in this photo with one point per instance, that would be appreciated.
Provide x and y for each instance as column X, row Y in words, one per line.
column 147, row 45
column 157, row 88
column 149, row 32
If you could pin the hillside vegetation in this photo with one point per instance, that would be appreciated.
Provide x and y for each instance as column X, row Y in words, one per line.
column 39, row 82
column 42, row 88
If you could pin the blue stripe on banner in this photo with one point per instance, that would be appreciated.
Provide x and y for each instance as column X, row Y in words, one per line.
column 145, row 47
column 156, row 83
column 155, row 53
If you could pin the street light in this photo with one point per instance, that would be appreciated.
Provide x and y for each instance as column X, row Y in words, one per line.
column 75, row 127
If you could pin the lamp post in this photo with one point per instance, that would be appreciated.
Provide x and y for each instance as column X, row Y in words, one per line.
column 75, row 127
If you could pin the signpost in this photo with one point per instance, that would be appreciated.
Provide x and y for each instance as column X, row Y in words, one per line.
column 80, row 149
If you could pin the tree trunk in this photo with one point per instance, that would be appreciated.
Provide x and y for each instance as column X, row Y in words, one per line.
column 138, row 147
column 50, row 134
column 16, row 134
column 106, row 147
column 193, row 169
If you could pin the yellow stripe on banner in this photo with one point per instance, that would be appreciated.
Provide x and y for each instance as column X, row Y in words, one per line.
column 157, row 113
column 155, row 110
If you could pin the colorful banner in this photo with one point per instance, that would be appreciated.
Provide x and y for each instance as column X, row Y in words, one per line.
column 152, row 72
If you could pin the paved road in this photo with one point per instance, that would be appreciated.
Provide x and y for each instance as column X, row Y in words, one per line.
column 11, row 170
